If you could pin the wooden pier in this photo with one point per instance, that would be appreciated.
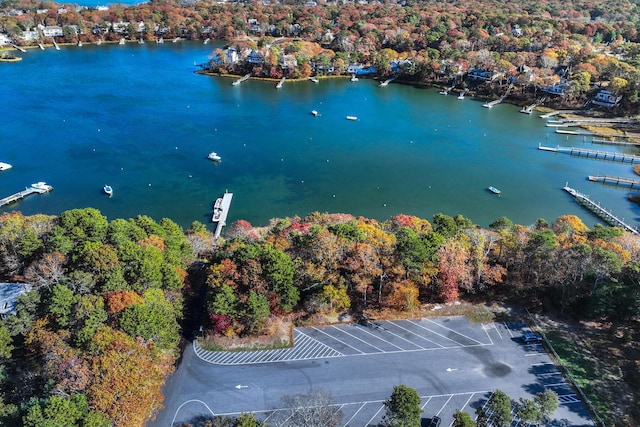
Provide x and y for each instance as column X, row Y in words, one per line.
column 240, row 80
column 499, row 100
column 615, row 180
column 598, row 210
column 614, row 141
column 220, row 211
column 594, row 154
column 38, row 188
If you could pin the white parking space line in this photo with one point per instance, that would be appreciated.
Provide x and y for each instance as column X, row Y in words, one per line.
column 486, row 331
column 339, row 340
column 354, row 415
column 359, row 339
column 426, row 403
column 508, row 329
column 374, row 416
column 379, row 338
column 454, row 331
column 458, row 344
column 394, row 323
column 445, row 404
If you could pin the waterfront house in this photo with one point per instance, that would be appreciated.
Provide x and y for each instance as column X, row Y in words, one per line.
column 120, row 27
column 230, row 55
column 399, row 65
column 606, row 99
column 255, row 58
column 4, row 39
column 52, row 31
column 556, row 89
column 361, row 70
column 288, row 62
column 9, row 294
column 477, row 74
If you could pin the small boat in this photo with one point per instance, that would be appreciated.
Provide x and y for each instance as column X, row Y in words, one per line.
column 354, row 78
column 176, row 40
column 352, row 118
column 314, row 113
column 121, row 41
column 214, row 156
column 107, row 190
column 313, row 79
column 444, row 92
column 5, row 166
column 79, row 43
column 461, row 96
column 494, row 190
column 41, row 187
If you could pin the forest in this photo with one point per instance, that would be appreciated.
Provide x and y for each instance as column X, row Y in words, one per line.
column 535, row 44
column 111, row 302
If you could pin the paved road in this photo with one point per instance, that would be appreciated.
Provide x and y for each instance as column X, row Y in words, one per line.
column 452, row 363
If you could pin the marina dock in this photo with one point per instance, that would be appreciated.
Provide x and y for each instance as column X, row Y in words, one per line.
column 615, row 180
column 37, row 188
column 594, row 154
column 220, row 211
column 598, row 210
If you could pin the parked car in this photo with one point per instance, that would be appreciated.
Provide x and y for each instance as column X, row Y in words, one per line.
column 531, row 338
column 435, row 422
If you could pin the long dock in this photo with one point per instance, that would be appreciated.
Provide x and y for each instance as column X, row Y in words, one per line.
column 281, row 82
column 34, row 189
column 240, row 80
column 601, row 212
column 615, row 180
column 499, row 100
column 595, row 154
column 220, row 211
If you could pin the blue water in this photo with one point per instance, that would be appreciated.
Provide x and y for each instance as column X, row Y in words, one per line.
column 138, row 118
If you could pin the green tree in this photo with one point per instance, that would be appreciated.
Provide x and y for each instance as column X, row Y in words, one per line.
column 61, row 304
column 279, row 271
column 497, row 411
column 256, row 311
column 26, row 313
column 6, row 343
column 547, row 402
column 224, row 301
column 462, row 419
column 528, row 411
column 403, row 408
column 248, row 420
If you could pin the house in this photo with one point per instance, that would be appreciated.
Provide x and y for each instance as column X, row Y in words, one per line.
column 288, row 62
column 30, row 35
column 254, row 25
column 120, row 27
column 604, row 98
column 360, row 70
column 52, row 31
column 9, row 294
column 255, row 58
column 478, row 74
column 230, row 56
column 4, row 39
column 400, row 65
column 556, row 89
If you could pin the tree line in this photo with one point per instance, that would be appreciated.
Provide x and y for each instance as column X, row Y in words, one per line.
column 599, row 45
column 93, row 341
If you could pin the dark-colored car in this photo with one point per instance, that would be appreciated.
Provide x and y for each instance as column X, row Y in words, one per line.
column 435, row 422
column 531, row 338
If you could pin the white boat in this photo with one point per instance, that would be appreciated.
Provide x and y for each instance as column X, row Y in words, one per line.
column 79, row 43
column 108, row 190
column 444, row 92
column 461, row 96
column 354, row 78
column 5, row 166
column 121, row 41
column 206, row 41
column 313, row 79
column 494, row 190
column 314, row 113
column 176, row 40
column 214, row 156
column 352, row 118
column 41, row 187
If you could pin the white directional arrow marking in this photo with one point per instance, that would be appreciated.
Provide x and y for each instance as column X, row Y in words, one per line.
column 241, row 386
column 451, row 369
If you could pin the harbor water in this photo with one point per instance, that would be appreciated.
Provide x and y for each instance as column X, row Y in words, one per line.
column 137, row 118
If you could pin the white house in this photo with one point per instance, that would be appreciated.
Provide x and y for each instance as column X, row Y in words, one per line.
column 4, row 39
column 52, row 31
column 604, row 98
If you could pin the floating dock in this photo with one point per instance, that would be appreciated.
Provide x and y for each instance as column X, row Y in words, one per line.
column 615, row 180
column 220, row 211
column 601, row 212
column 241, row 79
column 594, row 154
column 37, row 188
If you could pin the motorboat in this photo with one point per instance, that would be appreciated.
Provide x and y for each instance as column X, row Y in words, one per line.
column 41, row 187
column 108, row 190
column 314, row 113
column 214, row 156
column 5, row 166
column 494, row 190
column 353, row 118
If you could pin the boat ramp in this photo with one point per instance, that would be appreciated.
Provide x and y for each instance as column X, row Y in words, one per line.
column 598, row 210
column 595, row 154
column 220, row 211
column 37, row 188
column 615, row 180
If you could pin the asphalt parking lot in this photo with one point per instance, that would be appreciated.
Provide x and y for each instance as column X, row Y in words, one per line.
column 452, row 363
